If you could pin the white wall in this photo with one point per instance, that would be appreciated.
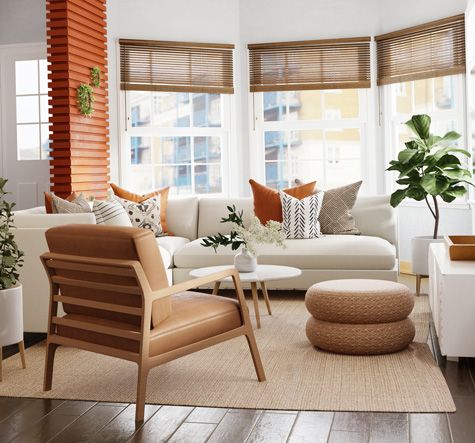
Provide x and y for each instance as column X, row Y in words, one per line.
column 182, row 20
column 22, row 21
column 242, row 22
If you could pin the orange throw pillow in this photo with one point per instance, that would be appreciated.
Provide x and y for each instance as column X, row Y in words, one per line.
column 267, row 205
column 137, row 198
column 49, row 201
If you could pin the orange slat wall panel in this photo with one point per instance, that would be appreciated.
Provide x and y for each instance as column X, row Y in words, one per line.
column 77, row 42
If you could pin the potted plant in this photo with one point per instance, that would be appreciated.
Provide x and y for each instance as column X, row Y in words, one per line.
column 429, row 169
column 248, row 238
column 12, row 257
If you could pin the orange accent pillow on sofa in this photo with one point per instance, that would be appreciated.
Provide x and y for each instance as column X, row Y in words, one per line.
column 267, row 205
column 137, row 198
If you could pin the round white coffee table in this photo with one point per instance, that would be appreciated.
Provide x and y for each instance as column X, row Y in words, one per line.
column 262, row 274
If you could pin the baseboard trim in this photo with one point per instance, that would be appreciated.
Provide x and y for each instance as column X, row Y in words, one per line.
column 405, row 267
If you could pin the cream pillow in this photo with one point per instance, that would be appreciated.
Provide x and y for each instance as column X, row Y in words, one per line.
column 110, row 212
column 77, row 206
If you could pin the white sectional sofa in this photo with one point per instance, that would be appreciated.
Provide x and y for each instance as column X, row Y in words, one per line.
column 369, row 255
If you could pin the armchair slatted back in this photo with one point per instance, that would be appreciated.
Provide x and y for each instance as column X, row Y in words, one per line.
column 114, row 243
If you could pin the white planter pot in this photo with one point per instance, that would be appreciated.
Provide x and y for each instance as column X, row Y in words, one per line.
column 420, row 253
column 11, row 315
column 244, row 261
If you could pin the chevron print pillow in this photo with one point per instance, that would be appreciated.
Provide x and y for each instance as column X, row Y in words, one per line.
column 300, row 217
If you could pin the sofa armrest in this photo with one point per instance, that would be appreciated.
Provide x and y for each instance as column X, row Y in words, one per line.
column 24, row 220
column 374, row 216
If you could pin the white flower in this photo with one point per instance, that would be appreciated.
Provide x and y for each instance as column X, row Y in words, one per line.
column 257, row 233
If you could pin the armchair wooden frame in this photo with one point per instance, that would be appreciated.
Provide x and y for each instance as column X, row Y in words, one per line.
column 130, row 268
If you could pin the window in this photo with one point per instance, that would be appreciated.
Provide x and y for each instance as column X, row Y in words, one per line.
column 31, row 91
column 312, row 135
column 177, row 139
column 441, row 97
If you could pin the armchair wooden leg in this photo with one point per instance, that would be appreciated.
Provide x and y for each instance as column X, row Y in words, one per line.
column 266, row 296
column 256, row 358
column 256, row 304
column 141, row 393
column 1, row 364
column 216, row 287
column 21, row 347
column 49, row 361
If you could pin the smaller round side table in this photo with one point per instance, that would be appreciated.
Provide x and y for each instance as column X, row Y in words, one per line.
column 262, row 274
column 11, row 321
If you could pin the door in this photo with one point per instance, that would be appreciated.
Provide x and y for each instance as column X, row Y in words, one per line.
column 24, row 123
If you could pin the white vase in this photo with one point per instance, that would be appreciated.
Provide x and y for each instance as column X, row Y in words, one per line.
column 11, row 315
column 420, row 253
column 244, row 261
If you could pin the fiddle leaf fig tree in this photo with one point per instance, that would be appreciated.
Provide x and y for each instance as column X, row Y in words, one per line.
column 12, row 257
column 429, row 168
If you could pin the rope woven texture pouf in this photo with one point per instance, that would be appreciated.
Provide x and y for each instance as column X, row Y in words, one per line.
column 360, row 316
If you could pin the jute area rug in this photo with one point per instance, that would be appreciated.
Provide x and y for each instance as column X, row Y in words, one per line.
column 298, row 376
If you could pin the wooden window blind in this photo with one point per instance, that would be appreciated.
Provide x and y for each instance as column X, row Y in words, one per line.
column 431, row 50
column 314, row 64
column 147, row 65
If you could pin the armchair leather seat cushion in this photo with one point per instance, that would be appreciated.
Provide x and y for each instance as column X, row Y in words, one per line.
column 195, row 316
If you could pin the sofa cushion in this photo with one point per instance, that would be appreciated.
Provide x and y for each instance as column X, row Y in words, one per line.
column 329, row 252
column 182, row 217
column 172, row 244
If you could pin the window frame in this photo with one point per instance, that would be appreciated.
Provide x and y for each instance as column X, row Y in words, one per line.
column 392, row 149
column 127, row 131
column 38, row 95
column 259, row 126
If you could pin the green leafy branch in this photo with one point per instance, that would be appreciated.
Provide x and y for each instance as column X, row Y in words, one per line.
column 11, row 256
column 233, row 239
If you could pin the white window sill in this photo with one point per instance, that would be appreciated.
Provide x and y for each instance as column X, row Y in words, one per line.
column 456, row 204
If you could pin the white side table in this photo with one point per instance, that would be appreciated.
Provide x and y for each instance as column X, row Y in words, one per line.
column 452, row 302
column 263, row 274
column 11, row 321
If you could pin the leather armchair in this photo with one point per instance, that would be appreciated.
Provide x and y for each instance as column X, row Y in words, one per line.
column 113, row 288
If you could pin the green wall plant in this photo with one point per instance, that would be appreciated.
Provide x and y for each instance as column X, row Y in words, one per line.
column 85, row 98
column 95, row 76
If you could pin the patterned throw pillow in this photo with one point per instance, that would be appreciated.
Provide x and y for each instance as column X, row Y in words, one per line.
column 137, row 198
column 145, row 214
column 335, row 216
column 110, row 212
column 77, row 206
column 300, row 217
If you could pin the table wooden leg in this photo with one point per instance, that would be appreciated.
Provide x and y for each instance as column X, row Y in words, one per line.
column 256, row 304
column 418, row 284
column 21, row 346
column 216, row 287
column 266, row 296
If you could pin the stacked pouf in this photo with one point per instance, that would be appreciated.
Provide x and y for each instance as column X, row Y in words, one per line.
column 359, row 316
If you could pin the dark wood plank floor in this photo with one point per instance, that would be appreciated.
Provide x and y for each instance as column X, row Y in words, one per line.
column 36, row 420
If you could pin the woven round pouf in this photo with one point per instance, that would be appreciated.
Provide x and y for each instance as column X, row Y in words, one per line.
column 360, row 316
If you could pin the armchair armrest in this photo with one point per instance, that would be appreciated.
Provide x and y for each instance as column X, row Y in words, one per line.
column 194, row 283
